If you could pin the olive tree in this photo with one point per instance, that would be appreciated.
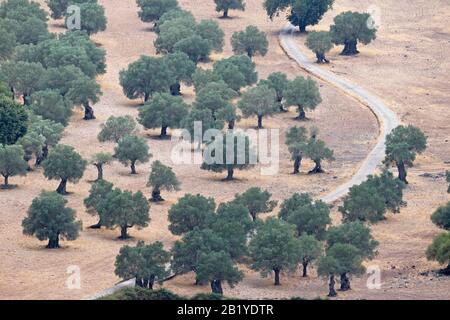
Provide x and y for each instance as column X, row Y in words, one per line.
column 92, row 17
column 145, row 263
column 259, row 101
column 303, row 93
column 85, row 92
column 144, row 77
column 402, row 146
column 130, row 150
column 309, row 250
column 229, row 152
column 32, row 144
column 190, row 212
column 48, row 218
column 274, row 248
column 439, row 251
column 350, row 28
column 318, row 151
column 181, row 68
column 13, row 121
column 99, row 160
column 277, row 81
column 441, row 217
column 153, row 10
column 163, row 110
column 125, row 210
column 65, row 164
column 250, row 41
column 51, row 105
column 303, row 13
column 237, row 71
column 50, row 130
column 12, row 162
column 320, row 43
column 115, row 128
column 256, row 201
column 162, row 178
column 297, row 141
column 98, row 195
column 227, row 5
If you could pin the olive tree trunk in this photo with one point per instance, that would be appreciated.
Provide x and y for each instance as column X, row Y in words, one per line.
column 53, row 243
column 297, row 164
column 277, row 276
column 216, row 287
column 350, row 48
column 402, row 172
column 62, row 188
column 156, row 195
column 345, row 282
column 88, row 112
column 332, row 292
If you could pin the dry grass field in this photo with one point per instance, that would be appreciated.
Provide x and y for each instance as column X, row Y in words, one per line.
column 406, row 67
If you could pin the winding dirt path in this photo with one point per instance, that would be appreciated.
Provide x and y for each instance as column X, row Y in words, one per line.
column 386, row 117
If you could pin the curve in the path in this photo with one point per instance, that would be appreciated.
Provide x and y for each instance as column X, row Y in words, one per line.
column 386, row 117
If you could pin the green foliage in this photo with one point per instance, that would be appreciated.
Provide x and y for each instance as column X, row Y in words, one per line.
column 145, row 77
column 162, row 111
column 250, row 41
column 341, row 258
column 202, row 77
column 162, row 178
column 153, row 10
column 50, row 130
column 64, row 163
column 356, row 234
column 13, row 121
column 310, row 217
column 98, row 195
column 447, row 174
column 33, row 144
column 236, row 71
column 439, row 250
column 99, row 160
column 203, row 116
column 350, row 28
column 83, row 93
column 370, row 200
column 24, row 21
column 125, row 210
column 142, row 294
column 190, row 212
column 291, row 204
column 297, row 142
column 226, row 5
column 309, row 250
column 233, row 224
column 181, row 32
column 441, row 217
column 23, row 77
column 92, row 17
column 402, row 146
column 49, row 104
column 214, row 96
column 259, row 101
column 117, row 128
column 59, row 7
column 146, row 263
column 303, row 93
column 12, row 162
column 256, row 201
column 229, row 152
column 211, row 32
column 68, row 49
column 317, row 151
column 274, row 248
column 173, row 14
column 277, row 81
column 49, row 218
column 181, row 68
column 320, row 43
column 7, row 44
column 217, row 267
column 187, row 251
column 303, row 12
column 130, row 150
column 197, row 48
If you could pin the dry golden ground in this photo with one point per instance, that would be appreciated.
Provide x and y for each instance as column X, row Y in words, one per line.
column 29, row 271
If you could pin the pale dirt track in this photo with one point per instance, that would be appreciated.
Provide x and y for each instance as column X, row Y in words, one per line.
column 386, row 117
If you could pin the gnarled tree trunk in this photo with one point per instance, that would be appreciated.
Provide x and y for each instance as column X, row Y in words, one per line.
column 124, row 233
column 297, row 164
column 317, row 168
column 42, row 156
column 54, row 242
column 350, row 48
column 62, row 187
column 216, row 287
column 260, row 122
column 331, row 291
column 133, row 167
column 88, row 112
column 156, row 195
column 301, row 113
column 305, row 268
column 277, row 276
column 402, row 172
column 175, row 89
column 345, row 282
column 99, row 171
column 230, row 174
